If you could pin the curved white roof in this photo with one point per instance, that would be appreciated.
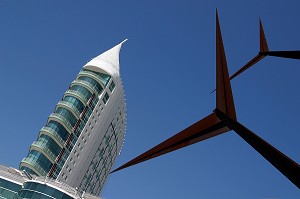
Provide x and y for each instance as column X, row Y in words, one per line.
column 107, row 62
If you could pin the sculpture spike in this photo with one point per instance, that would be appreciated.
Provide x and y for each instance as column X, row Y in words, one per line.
column 262, row 38
column 224, row 96
column 209, row 126
column 264, row 51
column 222, row 120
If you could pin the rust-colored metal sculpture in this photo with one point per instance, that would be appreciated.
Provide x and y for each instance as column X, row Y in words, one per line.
column 222, row 119
column 264, row 51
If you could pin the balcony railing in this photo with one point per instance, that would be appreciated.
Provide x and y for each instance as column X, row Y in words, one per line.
column 90, row 86
column 32, row 163
column 90, row 74
column 78, row 94
column 66, row 123
column 53, row 134
column 70, row 106
column 44, row 149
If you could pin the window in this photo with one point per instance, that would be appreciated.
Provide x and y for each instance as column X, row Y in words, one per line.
column 75, row 102
column 59, row 129
column 93, row 82
column 67, row 115
column 105, row 98
column 112, row 86
column 83, row 91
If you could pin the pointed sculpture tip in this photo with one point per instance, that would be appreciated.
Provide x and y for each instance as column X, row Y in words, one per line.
column 224, row 97
column 263, row 41
column 261, row 25
column 217, row 19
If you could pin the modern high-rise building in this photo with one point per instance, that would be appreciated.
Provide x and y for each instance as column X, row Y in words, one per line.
column 83, row 136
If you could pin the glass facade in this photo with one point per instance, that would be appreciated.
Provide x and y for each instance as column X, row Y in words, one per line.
column 82, row 90
column 105, row 98
column 8, row 189
column 59, row 129
column 56, row 140
column 16, row 184
column 75, row 102
column 41, row 191
column 41, row 159
column 112, row 86
column 79, row 136
column 68, row 115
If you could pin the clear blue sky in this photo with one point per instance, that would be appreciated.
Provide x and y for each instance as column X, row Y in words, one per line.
column 168, row 71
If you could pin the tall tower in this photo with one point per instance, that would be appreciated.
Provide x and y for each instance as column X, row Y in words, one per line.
column 83, row 137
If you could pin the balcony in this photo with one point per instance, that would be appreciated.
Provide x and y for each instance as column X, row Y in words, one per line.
column 92, row 75
column 86, row 84
column 78, row 95
column 33, row 165
column 63, row 121
column 70, row 107
column 41, row 146
column 53, row 134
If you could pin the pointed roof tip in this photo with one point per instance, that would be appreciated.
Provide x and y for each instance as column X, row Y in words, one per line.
column 123, row 41
column 107, row 61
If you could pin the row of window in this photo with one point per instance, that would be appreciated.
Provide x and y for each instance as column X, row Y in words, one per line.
column 70, row 117
column 76, row 154
column 103, row 157
column 49, row 143
column 103, row 77
column 37, row 190
column 91, row 127
column 8, row 189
